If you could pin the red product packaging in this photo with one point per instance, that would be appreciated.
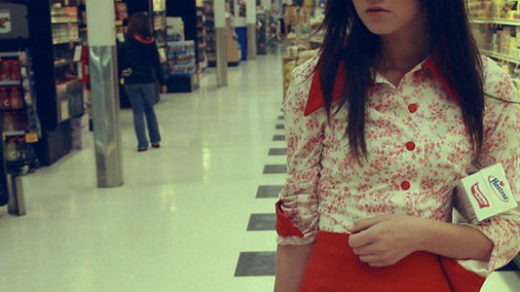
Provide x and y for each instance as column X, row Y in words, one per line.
column 5, row 102
column 16, row 98
column 16, row 70
column 4, row 70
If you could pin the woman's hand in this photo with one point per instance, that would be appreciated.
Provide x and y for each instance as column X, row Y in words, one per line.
column 164, row 89
column 385, row 240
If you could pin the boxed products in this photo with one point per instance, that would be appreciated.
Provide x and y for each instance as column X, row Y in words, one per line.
column 484, row 194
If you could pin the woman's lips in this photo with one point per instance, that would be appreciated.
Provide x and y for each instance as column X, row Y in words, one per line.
column 376, row 11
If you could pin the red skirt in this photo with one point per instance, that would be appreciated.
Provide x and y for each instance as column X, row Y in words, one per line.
column 333, row 267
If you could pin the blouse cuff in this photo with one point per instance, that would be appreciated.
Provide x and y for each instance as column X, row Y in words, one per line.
column 503, row 249
column 288, row 233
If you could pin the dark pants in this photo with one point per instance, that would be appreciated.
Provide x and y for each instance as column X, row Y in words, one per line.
column 141, row 98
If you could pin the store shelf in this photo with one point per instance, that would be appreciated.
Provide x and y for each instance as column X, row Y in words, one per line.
column 61, row 62
column 9, row 55
column 496, row 21
column 501, row 56
column 10, row 83
column 13, row 110
column 64, row 21
column 59, row 42
column 14, row 133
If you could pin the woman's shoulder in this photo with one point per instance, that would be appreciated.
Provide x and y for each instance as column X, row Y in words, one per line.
column 303, row 73
column 498, row 84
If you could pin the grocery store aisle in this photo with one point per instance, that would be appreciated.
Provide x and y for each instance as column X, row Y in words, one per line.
column 195, row 215
column 179, row 223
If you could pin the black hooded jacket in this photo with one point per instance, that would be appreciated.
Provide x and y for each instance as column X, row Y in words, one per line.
column 142, row 57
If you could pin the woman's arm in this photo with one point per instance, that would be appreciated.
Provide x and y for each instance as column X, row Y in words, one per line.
column 383, row 241
column 159, row 73
column 455, row 241
column 290, row 264
column 297, row 213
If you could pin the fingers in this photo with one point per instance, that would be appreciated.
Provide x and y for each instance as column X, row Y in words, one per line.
column 377, row 261
column 370, row 249
column 360, row 239
column 366, row 223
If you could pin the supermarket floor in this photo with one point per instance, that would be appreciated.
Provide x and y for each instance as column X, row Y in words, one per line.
column 181, row 221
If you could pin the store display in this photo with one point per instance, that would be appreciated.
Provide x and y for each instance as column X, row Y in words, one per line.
column 20, row 124
column 201, row 39
column 160, row 26
column 181, row 58
column 302, row 44
column 496, row 28
column 261, row 33
column 122, row 15
column 210, row 33
column 65, row 23
column 234, row 54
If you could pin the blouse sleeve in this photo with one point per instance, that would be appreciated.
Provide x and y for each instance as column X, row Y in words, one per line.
column 501, row 145
column 297, row 208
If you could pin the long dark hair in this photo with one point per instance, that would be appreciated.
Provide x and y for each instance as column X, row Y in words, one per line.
column 140, row 24
column 347, row 39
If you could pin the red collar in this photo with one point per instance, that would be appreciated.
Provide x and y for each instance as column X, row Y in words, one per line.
column 316, row 99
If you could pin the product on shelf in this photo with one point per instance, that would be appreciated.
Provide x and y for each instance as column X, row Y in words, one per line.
column 210, row 32
column 175, row 29
column 181, row 58
column 493, row 9
column 496, row 29
column 160, row 27
column 201, row 39
column 5, row 100
column 181, row 53
column 261, row 33
column 15, row 98
column 10, row 70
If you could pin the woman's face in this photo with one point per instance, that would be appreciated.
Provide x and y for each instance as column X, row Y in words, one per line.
column 385, row 17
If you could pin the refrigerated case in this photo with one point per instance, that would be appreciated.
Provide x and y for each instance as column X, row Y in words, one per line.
column 19, row 125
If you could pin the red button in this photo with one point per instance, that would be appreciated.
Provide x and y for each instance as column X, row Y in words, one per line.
column 405, row 185
column 413, row 107
column 410, row 146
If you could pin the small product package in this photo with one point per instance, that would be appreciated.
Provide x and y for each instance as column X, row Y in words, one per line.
column 484, row 194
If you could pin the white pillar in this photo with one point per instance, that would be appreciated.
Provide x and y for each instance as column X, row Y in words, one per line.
column 105, row 92
column 251, row 29
column 221, row 34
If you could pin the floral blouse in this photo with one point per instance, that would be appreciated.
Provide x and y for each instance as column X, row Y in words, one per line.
column 419, row 149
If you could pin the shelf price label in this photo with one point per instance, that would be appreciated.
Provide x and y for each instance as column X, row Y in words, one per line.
column 31, row 137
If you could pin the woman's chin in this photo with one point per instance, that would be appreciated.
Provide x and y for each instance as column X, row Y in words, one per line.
column 380, row 30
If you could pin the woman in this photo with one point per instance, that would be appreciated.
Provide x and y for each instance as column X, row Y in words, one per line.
column 139, row 60
column 398, row 107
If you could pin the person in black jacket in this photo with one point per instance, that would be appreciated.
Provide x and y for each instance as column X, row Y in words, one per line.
column 141, row 68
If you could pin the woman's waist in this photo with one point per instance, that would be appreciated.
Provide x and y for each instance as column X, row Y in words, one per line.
column 336, row 244
column 343, row 222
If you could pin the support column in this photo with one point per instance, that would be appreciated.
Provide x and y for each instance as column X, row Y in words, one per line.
column 251, row 29
column 220, row 28
column 105, row 92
